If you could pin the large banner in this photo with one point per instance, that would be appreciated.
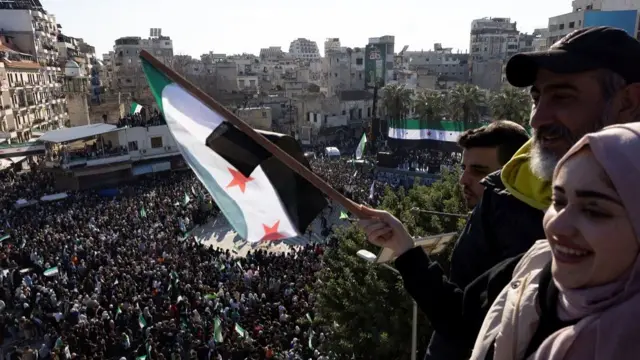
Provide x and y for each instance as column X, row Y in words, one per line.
column 375, row 64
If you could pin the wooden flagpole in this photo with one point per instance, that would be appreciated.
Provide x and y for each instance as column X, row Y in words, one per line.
column 287, row 159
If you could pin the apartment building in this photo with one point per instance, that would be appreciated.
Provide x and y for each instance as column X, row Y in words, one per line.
column 622, row 14
column 128, row 75
column 31, row 73
column 302, row 48
column 29, row 101
column 345, row 70
column 440, row 61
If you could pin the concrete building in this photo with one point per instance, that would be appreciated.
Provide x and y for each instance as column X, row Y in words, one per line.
column 345, row 70
column 493, row 38
column 272, row 53
column 622, row 14
column 257, row 117
column 106, row 74
column 331, row 44
column 302, row 48
column 29, row 101
column 439, row 61
column 31, row 73
column 127, row 71
column 492, row 42
column 379, row 60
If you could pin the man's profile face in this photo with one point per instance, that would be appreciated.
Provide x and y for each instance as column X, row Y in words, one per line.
column 565, row 107
column 477, row 163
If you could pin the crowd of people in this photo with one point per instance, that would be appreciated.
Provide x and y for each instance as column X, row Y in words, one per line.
column 118, row 276
column 138, row 119
column 115, row 277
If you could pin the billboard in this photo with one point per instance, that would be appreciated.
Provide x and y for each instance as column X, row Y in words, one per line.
column 623, row 19
column 374, row 64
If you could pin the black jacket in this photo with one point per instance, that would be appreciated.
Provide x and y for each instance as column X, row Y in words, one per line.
column 457, row 314
column 500, row 227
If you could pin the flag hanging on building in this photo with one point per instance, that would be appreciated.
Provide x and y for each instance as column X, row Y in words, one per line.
column 361, row 145
column 135, row 108
column 261, row 197
column 414, row 129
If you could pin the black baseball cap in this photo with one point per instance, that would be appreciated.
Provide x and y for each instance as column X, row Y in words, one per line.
column 591, row 48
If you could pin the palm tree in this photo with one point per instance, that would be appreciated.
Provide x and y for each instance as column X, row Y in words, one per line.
column 430, row 106
column 464, row 103
column 511, row 104
column 396, row 101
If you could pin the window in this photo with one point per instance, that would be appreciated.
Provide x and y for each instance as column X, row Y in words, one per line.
column 359, row 61
column 133, row 146
column 264, row 114
column 561, row 27
column 359, row 113
column 156, row 142
column 572, row 25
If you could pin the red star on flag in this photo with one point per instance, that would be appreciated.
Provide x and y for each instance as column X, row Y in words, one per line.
column 238, row 180
column 271, row 232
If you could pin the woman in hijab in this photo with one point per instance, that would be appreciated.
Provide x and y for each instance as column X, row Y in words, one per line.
column 572, row 296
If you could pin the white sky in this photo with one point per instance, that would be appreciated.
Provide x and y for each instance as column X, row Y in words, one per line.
column 200, row 26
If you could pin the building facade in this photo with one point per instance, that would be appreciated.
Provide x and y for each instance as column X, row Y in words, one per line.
column 302, row 48
column 31, row 73
column 379, row 61
column 345, row 70
column 331, row 44
column 440, row 62
column 128, row 75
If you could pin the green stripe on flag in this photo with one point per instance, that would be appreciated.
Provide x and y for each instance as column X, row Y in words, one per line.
column 242, row 332
column 51, row 271
column 447, row 125
column 158, row 83
column 135, row 108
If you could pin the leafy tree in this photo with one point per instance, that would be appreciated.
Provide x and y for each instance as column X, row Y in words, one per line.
column 511, row 104
column 465, row 101
column 396, row 101
column 430, row 107
column 366, row 305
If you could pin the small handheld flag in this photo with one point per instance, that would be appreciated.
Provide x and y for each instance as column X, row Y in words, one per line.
column 361, row 146
column 135, row 108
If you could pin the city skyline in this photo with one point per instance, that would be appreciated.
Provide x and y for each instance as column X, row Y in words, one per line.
column 133, row 18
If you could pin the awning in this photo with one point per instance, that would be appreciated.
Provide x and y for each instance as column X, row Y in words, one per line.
column 77, row 133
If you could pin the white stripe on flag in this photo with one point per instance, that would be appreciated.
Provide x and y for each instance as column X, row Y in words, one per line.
column 191, row 122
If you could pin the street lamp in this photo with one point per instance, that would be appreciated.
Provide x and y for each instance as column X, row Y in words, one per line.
column 369, row 257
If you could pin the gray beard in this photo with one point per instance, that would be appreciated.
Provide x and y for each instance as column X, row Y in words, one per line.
column 542, row 162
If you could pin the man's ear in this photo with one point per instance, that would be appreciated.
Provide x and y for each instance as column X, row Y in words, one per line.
column 627, row 104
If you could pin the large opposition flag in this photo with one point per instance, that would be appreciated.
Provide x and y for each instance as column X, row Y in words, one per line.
column 261, row 197
column 414, row 129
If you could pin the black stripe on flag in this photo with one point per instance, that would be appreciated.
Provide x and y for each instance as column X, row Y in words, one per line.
column 302, row 200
